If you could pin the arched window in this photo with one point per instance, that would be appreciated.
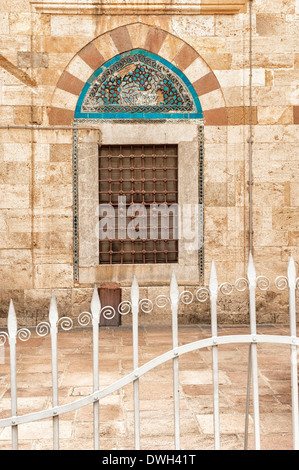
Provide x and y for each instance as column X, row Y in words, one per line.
column 149, row 159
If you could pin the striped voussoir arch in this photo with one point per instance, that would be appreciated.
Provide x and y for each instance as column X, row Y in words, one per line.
column 126, row 38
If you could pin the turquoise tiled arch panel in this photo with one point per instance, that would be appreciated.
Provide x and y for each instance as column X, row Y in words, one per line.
column 138, row 85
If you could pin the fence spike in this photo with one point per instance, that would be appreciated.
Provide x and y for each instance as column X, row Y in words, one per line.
column 251, row 273
column 12, row 321
column 53, row 312
column 174, row 289
column 291, row 273
column 95, row 304
column 135, row 291
column 213, row 283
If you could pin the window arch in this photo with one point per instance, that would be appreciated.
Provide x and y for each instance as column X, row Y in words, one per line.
column 138, row 84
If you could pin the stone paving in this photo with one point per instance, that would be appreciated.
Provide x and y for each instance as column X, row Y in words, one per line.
column 156, row 395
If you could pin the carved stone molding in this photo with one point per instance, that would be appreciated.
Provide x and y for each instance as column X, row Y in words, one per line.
column 141, row 7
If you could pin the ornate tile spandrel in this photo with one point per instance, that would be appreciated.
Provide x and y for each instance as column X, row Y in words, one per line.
column 138, row 84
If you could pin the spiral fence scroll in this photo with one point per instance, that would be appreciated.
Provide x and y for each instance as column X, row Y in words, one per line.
column 146, row 305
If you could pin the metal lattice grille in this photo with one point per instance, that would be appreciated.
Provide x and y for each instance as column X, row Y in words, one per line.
column 147, row 176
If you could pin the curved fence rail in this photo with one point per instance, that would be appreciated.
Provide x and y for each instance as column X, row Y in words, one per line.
column 136, row 305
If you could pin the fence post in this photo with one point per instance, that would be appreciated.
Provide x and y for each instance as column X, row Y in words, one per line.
column 135, row 309
column 251, row 274
column 95, row 312
column 12, row 335
column 53, row 320
column 291, row 276
column 213, row 288
column 174, row 301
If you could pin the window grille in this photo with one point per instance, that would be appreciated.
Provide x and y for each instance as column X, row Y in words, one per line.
column 144, row 175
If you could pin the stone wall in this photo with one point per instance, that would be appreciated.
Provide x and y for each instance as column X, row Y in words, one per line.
column 46, row 55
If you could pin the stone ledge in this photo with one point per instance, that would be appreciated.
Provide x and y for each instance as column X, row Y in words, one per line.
column 205, row 7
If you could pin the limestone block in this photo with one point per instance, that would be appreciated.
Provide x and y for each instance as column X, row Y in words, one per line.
column 62, row 44
column 41, row 25
column 6, row 115
column 45, row 196
column 270, row 237
column 64, row 99
column 236, row 134
column 233, row 78
column 240, row 115
column 212, row 151
column 12, row 196
column 215, row 218
column 14, row 173
column 277, row 171
column 273, row 6
column 80, row 69
column 46, row 221
column 275, row 133
column 15, row 240
column 170, row 47
column 184, row 26
column 56, row 240
column 53, row 174
column 51, row 256
column 48, row 77
column 285, row 218
column 220, row 61
column 32, row 59
column 235, row 217
column 275, row 115
column 212, row 100
column 51, row 276
column 270, row 25
column 215, row 135
column 293, row 237
column 269, row 194
column 16, row 276
column 18, row 221
column 279, row 151
column 64, row 136
column 61, row 152
column 19, row 23
column 106, row 46
column 219, row 194
column 217, row 171
column 41, row 152
column 16, row 95
column 14, row 257
column 64, row 25
column 59, row 60
column 266, row 59
column 196, row 70
column 274, row 95
column 286, row 77
column 262, row 218
column 294, row 195
column 275, row 44
column 3, row 225
column 4, row 23
column 229, row 25
column 28, row 115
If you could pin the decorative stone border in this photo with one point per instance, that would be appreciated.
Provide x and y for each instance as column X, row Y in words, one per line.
column 201, row 7
column 126, row 38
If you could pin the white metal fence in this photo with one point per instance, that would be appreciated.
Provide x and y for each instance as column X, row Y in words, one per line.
column 203, row 294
